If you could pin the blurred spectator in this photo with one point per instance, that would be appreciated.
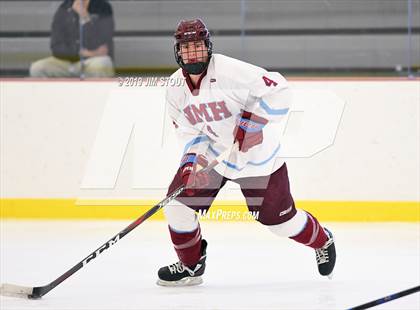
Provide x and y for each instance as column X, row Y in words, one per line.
column 94, row 18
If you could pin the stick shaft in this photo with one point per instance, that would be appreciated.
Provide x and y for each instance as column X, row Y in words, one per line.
column 387, row 298
column 40, row 291
column 222, row 157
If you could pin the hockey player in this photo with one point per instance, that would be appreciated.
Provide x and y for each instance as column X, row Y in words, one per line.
column 226, row 101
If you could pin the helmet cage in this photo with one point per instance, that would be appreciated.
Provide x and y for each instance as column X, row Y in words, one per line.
column 192, row 31
column 196, row 67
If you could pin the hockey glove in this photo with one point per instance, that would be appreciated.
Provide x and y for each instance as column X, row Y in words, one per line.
column 192, row 178
column 248, row 130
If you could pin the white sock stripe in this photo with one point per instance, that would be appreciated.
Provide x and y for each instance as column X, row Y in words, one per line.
column 190, row 243
column 182, row 231
column 315, row 230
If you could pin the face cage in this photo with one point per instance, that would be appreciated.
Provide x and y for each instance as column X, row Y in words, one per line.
column 178, row 57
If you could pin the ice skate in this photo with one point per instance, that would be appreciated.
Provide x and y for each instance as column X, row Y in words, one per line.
column 325, row 256
column 180, row 275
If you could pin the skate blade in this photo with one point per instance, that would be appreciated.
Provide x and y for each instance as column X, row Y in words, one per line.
column 330, row 276
column 188, row 281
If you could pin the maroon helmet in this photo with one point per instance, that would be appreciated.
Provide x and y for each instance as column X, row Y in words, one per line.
column 190, row 31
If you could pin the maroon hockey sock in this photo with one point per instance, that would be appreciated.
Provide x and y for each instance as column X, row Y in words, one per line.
column 312, row 235
column 187, row 246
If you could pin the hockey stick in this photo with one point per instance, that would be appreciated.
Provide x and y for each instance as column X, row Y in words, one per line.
column 387, row 298
column 37, row 292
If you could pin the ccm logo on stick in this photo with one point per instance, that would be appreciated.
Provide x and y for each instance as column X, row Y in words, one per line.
column 101, row 249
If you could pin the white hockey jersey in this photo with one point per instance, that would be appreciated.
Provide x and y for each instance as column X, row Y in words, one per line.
column 205, row 117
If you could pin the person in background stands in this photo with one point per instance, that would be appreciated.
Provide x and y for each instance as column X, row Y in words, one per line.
column 93, row 57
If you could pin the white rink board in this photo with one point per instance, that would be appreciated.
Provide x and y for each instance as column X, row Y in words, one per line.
column 247, row 268
column 48, row 130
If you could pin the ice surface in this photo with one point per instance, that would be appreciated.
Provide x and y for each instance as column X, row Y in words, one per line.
column 247, row 267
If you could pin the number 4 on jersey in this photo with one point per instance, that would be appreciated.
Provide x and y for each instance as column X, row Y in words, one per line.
column 268, row 81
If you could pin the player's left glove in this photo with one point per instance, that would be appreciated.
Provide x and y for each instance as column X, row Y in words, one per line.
column 192, row 177
column 248, row 130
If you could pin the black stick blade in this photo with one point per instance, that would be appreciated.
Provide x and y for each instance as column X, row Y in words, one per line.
column 18, row 291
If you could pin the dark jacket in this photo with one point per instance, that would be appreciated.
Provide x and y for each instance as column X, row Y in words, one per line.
column 99, row 30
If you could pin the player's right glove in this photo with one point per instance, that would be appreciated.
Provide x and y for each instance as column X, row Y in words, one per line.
column 248, row 130
column 192, row 178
